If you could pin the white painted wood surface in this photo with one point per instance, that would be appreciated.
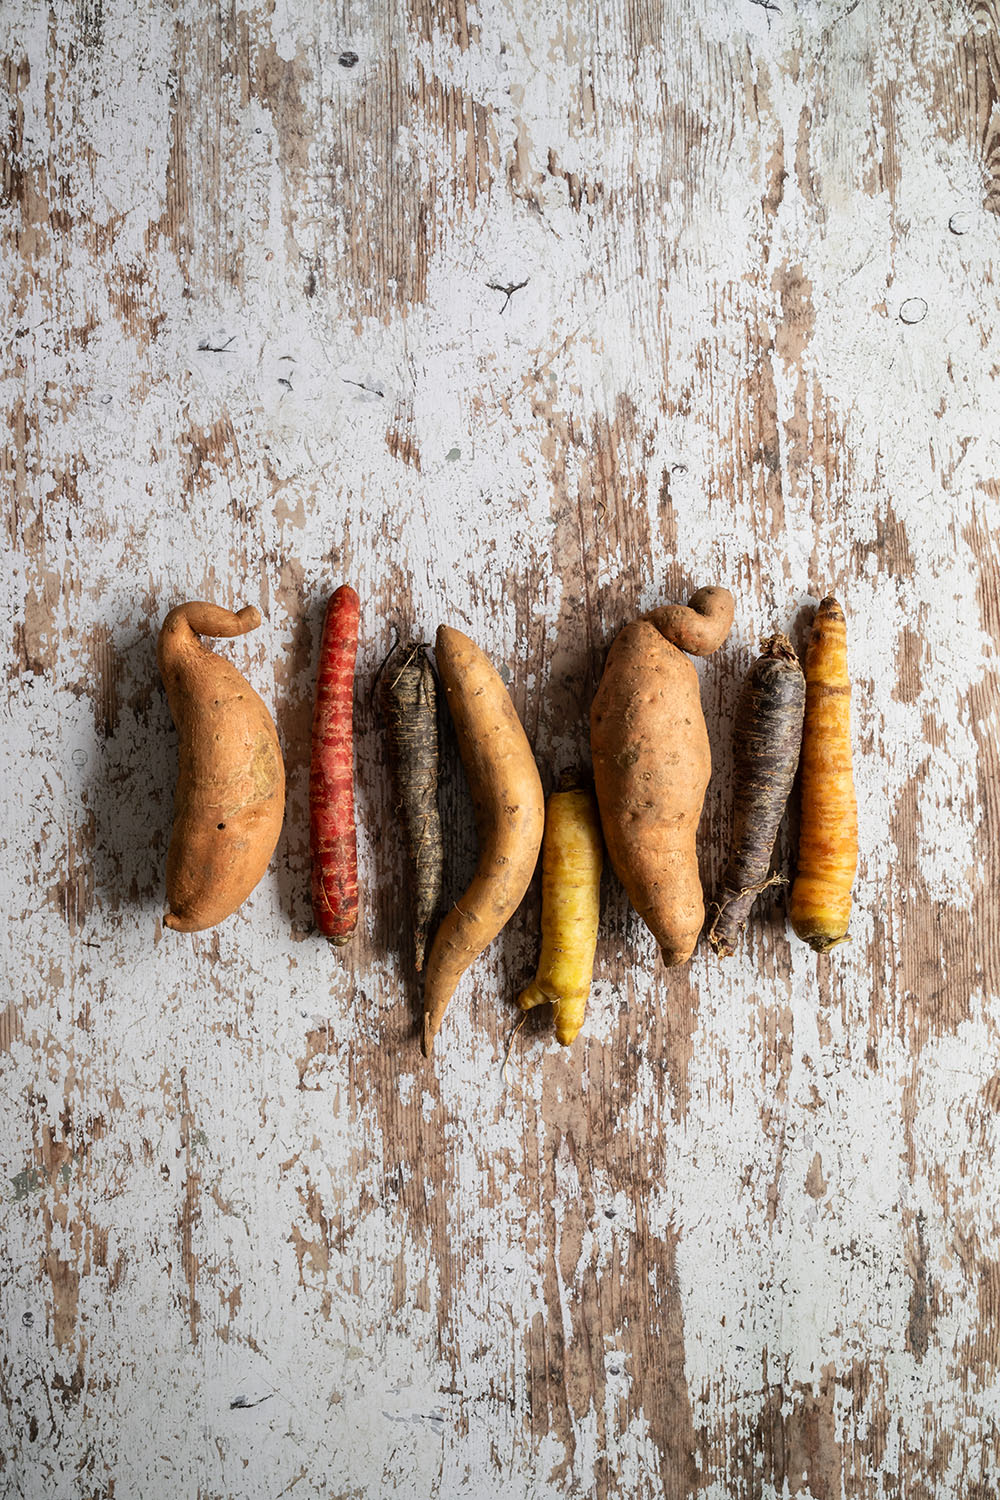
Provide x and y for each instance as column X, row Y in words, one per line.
column 521, row 317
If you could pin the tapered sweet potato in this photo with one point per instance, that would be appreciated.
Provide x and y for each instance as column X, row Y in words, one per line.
column 651, row 768
column 510, row 816
column 230, row 795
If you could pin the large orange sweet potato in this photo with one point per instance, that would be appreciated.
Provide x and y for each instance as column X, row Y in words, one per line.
column 230, row 796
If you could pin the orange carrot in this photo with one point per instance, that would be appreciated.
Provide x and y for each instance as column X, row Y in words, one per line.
column 828, row 833
column 333, row 836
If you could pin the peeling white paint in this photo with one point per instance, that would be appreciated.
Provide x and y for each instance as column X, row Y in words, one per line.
column 334, row 1348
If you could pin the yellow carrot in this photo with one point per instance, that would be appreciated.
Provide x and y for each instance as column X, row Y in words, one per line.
column 572, row 856
column 828, row 835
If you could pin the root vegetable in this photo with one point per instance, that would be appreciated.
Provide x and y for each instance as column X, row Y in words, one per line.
column 651, row 768
column 230, row 796
column 652, row 763
column 409, row 709
column 828, row 831
column 700, row 626
column 333, row 836
column 767, row 737
column 510, row 814
column 572, row 856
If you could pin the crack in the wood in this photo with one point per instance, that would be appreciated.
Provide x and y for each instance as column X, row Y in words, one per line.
column 436, row 1418
column 767, row 6
column 204, row 347
column 373, row 390
column 242, row 1404
column 508, row 290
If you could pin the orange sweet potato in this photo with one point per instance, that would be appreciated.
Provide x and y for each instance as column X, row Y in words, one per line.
column 700, row 626
column 230, row 795
column 651, row 768
column 510, row 816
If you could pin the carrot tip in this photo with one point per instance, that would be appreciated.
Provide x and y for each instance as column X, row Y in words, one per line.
column 823, row 945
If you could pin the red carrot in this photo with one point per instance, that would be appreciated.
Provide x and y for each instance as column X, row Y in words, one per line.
column 333, row 837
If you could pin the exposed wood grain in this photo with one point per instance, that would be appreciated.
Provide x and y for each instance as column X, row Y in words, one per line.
column 522, row 318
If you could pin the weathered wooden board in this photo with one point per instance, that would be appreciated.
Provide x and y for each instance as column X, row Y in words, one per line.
column 523, row 316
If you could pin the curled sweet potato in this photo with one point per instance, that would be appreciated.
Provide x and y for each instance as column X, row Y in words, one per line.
column 651, row 768
column 230, row 795
column 700, row 626
column 510, row 816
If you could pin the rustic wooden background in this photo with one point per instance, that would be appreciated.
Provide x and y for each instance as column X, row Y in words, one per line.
column 521, row 316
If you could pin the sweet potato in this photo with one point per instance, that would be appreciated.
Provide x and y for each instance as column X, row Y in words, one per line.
column 651, row 768
column 700, row 626
column 652, row 763
column 230, row 796
column 509, row 810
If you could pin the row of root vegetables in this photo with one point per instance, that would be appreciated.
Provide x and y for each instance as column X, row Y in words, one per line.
column 651, row 768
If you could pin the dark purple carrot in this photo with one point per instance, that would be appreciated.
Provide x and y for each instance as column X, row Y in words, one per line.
column 767, row 739
column 409, row 709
